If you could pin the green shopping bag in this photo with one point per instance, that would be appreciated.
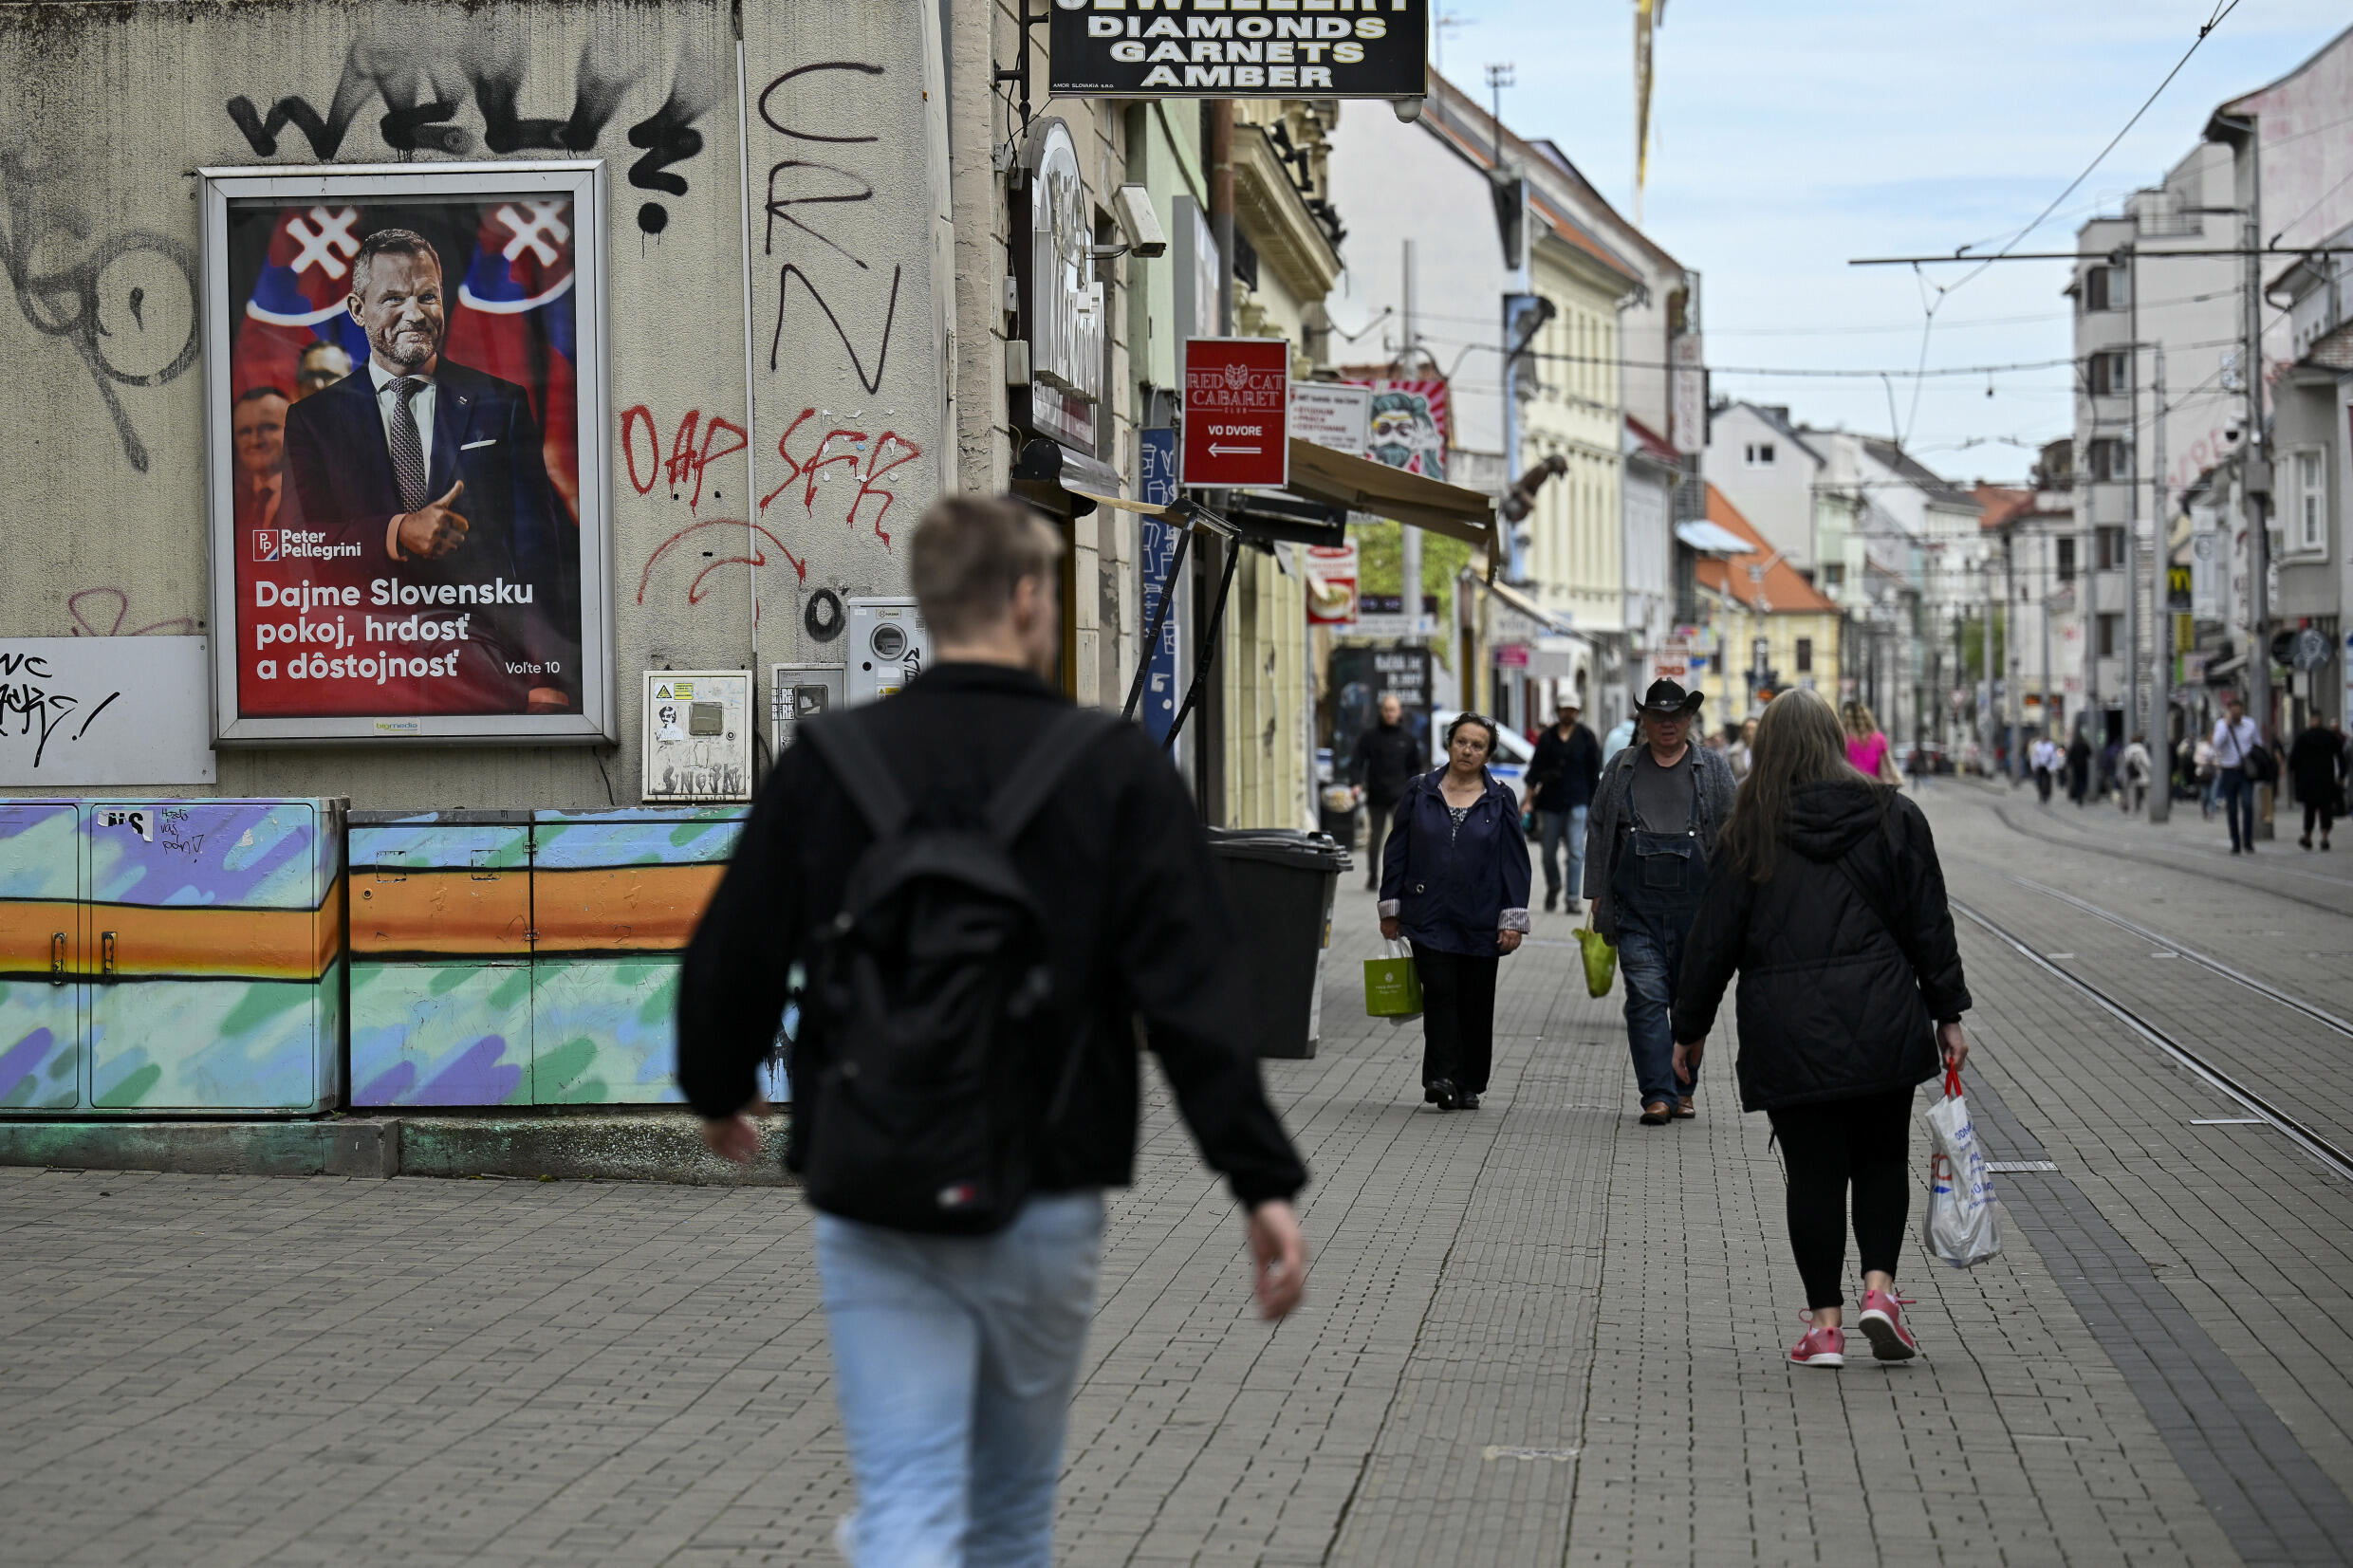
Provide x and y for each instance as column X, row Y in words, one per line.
column 1391, row 986
column 1601, row 961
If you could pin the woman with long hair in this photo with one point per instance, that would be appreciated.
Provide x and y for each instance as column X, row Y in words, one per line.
column 1453, row 881
column 1867, row 748
column 1826, row 895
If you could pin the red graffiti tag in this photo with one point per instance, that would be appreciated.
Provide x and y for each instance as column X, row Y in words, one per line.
column 866, row 452
column 113, row 606
column 736, row 528
column 687, row 461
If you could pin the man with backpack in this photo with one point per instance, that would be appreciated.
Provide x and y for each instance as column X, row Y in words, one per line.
column 991, row 894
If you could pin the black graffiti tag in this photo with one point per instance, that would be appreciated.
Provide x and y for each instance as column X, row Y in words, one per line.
column 71, row 302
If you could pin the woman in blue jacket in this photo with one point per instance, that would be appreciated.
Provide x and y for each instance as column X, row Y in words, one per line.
column 1453, row 881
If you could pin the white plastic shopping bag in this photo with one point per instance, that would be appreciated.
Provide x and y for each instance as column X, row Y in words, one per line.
column 1964, row 1221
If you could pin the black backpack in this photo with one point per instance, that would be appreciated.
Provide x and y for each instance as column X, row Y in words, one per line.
column 933, row 1056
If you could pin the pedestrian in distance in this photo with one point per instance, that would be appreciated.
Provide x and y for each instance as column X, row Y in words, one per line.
column 993, row 894
column 1387, row 758
column 2312, row 764
column 2236, row 741
column 2079, row 769
column 1736, row 754
column 2208, row 777
column 1621, row 735
column 1648, row 845
column 1560, row 777
column 2111, row 769
column 2044, row 755
column 1866, row 746
column 1827, row 899
column 1453, row 882
column 2133, row 766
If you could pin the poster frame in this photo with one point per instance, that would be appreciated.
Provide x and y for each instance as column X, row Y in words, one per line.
column 583, row 182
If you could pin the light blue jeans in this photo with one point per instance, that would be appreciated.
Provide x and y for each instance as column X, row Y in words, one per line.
column 953, row 1362
column 1564, row 829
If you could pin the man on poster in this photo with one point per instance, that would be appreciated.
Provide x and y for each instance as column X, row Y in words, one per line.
column 436, row 471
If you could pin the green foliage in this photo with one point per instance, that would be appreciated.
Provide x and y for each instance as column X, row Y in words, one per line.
column 1379, row 562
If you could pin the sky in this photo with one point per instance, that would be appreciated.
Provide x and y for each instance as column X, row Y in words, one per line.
column 1789, row 135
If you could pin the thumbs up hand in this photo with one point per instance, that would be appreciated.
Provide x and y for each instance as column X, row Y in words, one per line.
column 433, row 530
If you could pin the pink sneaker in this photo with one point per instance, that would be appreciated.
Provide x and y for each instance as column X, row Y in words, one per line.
column 1822, row 1347
column 1883, row 1324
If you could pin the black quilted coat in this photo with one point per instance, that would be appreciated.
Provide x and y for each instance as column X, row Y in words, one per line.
column 1833, row 1003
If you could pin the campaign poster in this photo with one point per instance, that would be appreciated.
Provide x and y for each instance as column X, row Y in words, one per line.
column 407, row 501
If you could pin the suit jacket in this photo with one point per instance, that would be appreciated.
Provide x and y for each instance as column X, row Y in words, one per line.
column 483, row 433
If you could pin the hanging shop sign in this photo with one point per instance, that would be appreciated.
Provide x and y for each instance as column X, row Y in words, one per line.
column 1237, row 406
column 1409, row 424
column 1062, row 311
column 1332, row 413
column 1331, row 574
column 1236, row 48
column 404, row 415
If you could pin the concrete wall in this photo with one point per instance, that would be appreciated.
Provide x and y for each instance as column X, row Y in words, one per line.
column 111, row 108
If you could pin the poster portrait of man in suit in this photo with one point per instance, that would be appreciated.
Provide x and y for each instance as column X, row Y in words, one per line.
column 436, row 471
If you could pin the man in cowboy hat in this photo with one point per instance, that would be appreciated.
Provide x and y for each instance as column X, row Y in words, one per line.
column 1648, row 838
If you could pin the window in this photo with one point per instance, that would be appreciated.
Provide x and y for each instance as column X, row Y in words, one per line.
column 2110, row 626
column 2107, row 288
column 1834, row 574
column 2310, row 501
column 2109, row 458
column 1760, row 455
column 1804, row 655
column 2111, row 542
column 2111, row 374
column 2066, row 560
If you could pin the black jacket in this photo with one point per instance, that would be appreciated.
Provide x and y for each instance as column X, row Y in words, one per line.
column 1565, row 772
column 1137, row 925
column 2312, row 763
column 1387, row 759
column 1833, row 1005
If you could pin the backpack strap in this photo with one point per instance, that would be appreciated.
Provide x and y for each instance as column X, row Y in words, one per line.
column 1025, row 791
column 857, row 762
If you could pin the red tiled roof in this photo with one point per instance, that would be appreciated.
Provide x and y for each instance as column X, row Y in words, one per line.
column 2002, row 504
column 1783, row 591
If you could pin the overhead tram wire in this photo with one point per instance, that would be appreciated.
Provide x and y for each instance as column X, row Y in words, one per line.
column 1945, row 291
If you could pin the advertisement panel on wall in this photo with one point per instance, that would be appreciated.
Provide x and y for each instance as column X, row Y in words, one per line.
column 404, row 394
column 1410, row 424
column 1207, row 50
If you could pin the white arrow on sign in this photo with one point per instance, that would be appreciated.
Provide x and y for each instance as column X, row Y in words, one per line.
column 1216, row 450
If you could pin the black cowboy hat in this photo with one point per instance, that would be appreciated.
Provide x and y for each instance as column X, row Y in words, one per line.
column 1666, row 697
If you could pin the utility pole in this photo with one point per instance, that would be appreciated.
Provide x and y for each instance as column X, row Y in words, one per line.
column 1408, row 539
column 2132, row 497
column 2010, row 671
column 2160, row 730
column 1987, row 722
column 2255, row 471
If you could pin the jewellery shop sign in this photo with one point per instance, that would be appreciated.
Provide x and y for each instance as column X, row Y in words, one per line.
column 1240, row 49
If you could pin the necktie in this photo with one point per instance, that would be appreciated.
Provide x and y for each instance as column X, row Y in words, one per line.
column 408, row 447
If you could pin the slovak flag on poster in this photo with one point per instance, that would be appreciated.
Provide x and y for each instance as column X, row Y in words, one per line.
column 514, row 318
column 298, row 298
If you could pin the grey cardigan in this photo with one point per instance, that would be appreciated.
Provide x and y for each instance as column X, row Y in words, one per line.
column 1612, row 817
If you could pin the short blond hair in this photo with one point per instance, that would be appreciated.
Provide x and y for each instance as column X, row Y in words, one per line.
column 968, row 555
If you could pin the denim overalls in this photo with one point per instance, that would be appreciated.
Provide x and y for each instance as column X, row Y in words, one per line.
column 1657, row 885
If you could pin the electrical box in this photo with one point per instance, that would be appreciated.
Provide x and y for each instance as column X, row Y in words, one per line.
column 697, row 736
column 888, row 647
column 798, row 691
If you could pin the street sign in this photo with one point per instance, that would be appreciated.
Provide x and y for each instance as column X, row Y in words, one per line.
column 1237, row 404
column 1511, row 656
column 1332, row 413
column 1373, row 55
column 2177, row 588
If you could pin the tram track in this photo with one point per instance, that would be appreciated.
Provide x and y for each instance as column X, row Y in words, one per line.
column 2331, row 1155
column 2218, row 871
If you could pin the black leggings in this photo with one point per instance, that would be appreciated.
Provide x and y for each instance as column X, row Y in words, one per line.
column 1457, row 1018
column 1825, row 1148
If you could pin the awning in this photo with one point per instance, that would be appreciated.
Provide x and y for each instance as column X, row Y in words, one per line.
column 1712, row 539
column 1051, row 473
column 1358, row 484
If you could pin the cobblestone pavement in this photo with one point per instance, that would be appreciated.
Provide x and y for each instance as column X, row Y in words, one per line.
column 1537, row 1334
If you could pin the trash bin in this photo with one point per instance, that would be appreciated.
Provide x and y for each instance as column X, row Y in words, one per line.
column 1281, row 883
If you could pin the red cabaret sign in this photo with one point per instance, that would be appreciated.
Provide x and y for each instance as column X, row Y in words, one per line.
column 1238, row 413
